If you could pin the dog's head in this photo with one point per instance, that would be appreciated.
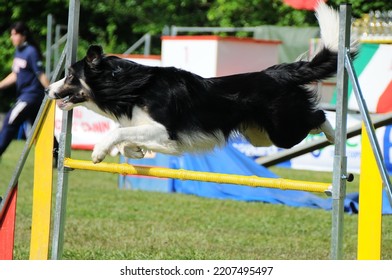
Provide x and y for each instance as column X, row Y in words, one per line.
column 73, row 90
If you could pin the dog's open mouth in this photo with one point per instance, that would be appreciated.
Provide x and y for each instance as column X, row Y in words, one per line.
column 63, row 103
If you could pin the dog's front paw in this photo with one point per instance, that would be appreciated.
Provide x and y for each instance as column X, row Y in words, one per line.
column 98, row 154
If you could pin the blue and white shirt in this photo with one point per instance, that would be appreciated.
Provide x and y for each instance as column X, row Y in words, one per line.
column 28, row 66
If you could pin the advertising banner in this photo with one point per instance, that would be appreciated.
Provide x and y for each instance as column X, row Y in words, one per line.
column 87, row 127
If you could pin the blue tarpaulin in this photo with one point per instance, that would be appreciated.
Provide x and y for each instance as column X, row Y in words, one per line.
column 230, row 161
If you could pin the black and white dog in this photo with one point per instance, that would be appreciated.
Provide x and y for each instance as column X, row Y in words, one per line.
column 172, row 111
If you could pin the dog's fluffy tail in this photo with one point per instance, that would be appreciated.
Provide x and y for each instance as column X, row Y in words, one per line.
column 324, row 63
column 328, row 20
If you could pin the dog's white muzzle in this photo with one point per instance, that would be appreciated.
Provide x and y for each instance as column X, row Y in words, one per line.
column 53, row 89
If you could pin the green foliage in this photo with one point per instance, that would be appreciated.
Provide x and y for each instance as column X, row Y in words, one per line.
column 360, row 7
column 6, row 55
column 256, row 12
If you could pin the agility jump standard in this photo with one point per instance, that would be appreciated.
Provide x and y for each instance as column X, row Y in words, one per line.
column 66, row 164
column 340, row 160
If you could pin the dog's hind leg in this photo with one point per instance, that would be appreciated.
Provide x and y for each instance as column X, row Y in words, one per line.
column 149, row 137
column 328, row 130
column 256, row 136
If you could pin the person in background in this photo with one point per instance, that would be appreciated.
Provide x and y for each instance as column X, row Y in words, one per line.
column 29, row 77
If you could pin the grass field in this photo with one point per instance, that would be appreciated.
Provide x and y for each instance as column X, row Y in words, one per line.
column 104, row 222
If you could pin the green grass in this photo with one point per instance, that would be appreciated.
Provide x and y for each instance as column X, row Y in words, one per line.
column 104, row 222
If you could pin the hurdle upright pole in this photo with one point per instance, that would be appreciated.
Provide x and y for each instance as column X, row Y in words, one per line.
column 43, row 158
column 65, row 139
column 7, row 226
column 370, row 203
column 340, row 158
column 42, row 191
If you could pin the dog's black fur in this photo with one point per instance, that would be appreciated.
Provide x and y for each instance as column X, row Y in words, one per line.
column 275, row 100
column 169, row 110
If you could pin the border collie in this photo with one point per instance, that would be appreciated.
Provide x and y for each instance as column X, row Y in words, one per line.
column 172, row 111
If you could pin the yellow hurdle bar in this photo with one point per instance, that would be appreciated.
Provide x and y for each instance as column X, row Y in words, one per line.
column 252, row 181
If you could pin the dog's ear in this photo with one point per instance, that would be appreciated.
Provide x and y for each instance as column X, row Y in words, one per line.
column 94, row 55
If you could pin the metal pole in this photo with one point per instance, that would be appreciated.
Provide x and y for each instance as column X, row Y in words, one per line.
column 147, row 44
column 48, row 65
column 138, row 43
column 369, row 126
column 340, row 158
column 56, row 44
column 65, row 139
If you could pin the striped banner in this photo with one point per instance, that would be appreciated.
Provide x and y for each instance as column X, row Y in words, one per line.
column 374, row 69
